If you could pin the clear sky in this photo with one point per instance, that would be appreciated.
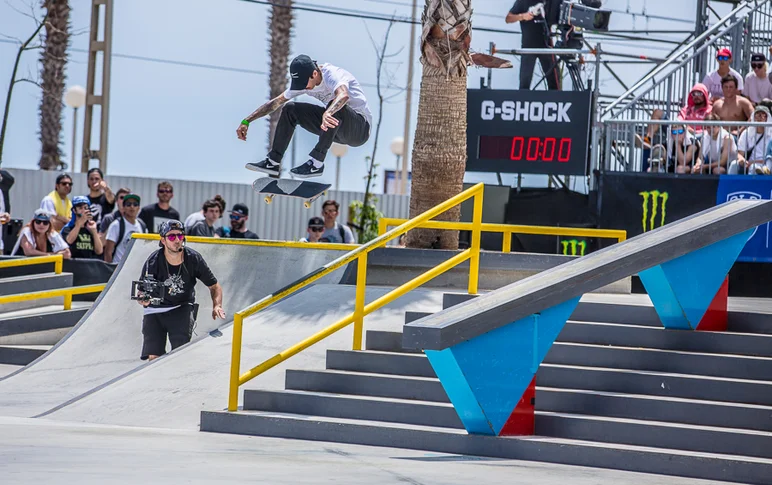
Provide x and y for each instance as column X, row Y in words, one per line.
column 176, row 121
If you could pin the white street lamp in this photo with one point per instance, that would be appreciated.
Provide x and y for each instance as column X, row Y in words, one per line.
column 75, row 97
column 397, row 146
column 339, row 151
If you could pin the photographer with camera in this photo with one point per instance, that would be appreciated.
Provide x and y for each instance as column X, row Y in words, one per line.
column 81, row 232
column 167, row 291
column 536, row 17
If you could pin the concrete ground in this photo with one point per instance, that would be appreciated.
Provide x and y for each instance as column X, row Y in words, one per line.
column 35, row 451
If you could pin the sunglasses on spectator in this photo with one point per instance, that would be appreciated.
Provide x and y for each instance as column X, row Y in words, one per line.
column 131, row 204
column 316, row 229
column 65, row 183
column 236, row 217
column 757, row 66
column 722, row 58
column 174, row 237
column 697, row 93
column 165, row 191
column 679, row 131
column 42, row 223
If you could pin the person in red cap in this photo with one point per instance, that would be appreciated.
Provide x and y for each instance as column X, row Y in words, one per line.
column 757, row 85
column 713, row 80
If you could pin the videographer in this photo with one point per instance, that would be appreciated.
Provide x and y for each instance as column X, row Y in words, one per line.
column 535, row 24
column 175, row 268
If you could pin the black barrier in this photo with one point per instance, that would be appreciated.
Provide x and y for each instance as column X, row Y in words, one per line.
column 639, row 203
column 523, row 131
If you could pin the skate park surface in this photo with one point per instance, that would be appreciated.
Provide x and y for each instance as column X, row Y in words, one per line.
column 103, row 415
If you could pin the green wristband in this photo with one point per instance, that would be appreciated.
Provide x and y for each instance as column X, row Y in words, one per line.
column 245, row 122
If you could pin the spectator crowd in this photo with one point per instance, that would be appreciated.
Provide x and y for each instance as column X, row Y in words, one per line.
column 723, row 95
column 100, row 225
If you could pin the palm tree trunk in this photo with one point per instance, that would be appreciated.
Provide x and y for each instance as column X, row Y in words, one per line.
column 439, row 146
column 53, row 61
column 280, row 32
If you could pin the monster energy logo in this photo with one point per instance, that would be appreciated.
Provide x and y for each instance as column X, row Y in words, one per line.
column 573, row 244
column 658, row 201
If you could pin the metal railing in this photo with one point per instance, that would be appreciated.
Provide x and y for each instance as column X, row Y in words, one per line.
column 667, row 86
column 653, row 146
column 57, row 259
column 360, row 309
column 254, row 242
column 67, row 293
column 507, row 230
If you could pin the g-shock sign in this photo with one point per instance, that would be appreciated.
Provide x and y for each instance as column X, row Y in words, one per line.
column 545, row 132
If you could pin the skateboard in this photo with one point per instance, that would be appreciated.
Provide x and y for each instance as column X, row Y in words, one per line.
column 301, row 189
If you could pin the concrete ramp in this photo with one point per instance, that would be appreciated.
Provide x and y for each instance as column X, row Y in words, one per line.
column 173, row 392
column 106, row 343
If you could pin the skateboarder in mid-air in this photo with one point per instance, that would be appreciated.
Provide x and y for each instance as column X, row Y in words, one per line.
column 345, row 119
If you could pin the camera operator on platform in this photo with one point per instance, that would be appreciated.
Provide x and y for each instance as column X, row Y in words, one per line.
column 176, row 268
column 535, row 25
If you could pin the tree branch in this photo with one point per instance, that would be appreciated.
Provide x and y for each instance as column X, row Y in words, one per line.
column 31, row 81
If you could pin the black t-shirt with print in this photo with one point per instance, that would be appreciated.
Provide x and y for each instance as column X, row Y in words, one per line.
column 236, row 234
column 153, row 216
column 180, row 281
column 83, row 247
column 100, row 207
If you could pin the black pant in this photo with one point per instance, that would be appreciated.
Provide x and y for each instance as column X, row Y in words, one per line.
column 548, row 65
column 353, row 129
column 177, row 324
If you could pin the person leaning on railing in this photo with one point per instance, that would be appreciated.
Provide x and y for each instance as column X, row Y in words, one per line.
column 717, row 148
column 38, row 238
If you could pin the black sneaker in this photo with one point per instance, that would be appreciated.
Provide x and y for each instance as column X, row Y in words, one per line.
column 268, row 166
column 307, row 170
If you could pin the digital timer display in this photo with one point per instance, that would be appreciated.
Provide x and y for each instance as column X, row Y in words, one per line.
column 528, row 148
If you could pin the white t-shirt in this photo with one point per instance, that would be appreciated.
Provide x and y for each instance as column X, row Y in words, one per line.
column 757, row 88
column 748, row 139
column 114, row 231
column 711, row 149
column 332, row 78
column 194, row 219
column 56, row 240
column 713, row 82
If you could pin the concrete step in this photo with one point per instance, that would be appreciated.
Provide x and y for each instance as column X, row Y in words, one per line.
column 394, row 363
column 21, row 354
column 656, row 384
column 638, row 432
column 413, row 316
column 654, row 408
column 717, row 365
column 355, row 407
column 621, row 336
column 533, row 448
column 363, row 384
column 40, row 321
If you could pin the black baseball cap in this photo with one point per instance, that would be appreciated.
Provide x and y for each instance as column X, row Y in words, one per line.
column 316, row 222
column 757, row 57
column 301, row 69
column 240, row 209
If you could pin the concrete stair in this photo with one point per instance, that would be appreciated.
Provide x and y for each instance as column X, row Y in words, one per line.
column 33, row 283
column 613, row 395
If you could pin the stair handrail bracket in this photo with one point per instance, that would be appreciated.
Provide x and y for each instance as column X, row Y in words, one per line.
column 360, row 308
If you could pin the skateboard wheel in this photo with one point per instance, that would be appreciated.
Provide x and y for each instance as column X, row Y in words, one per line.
column 268, row 199
column 307, row 204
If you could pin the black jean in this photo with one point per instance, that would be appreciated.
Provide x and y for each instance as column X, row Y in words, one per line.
column 548, row 65
column 353, row 129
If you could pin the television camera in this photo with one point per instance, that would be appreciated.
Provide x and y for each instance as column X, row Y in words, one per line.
column 148, row 289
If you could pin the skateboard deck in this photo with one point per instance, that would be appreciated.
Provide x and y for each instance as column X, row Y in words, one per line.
column 299, row 189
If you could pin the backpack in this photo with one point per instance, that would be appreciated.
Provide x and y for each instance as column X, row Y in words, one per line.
column 122, row 230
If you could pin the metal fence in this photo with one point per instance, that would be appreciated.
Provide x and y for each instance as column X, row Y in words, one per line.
column 284, row 220
column 699, row 147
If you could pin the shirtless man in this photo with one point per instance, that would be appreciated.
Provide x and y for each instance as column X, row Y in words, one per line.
column 732, row 107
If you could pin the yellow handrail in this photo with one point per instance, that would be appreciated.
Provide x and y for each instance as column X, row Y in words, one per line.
column 360, row 309
column 254, row 242
column 508, row 229
column 65, row 292
column 57, row 259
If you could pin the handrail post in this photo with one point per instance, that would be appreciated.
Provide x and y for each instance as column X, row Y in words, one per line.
column 359, row 301
column 474, row 260
column 58, row 265
column 233, row 390
column 68, row 301
column 506, row 245
column 382, row 226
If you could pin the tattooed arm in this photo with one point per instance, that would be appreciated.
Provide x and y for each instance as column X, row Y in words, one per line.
column 341, row 98
column 263, row 110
